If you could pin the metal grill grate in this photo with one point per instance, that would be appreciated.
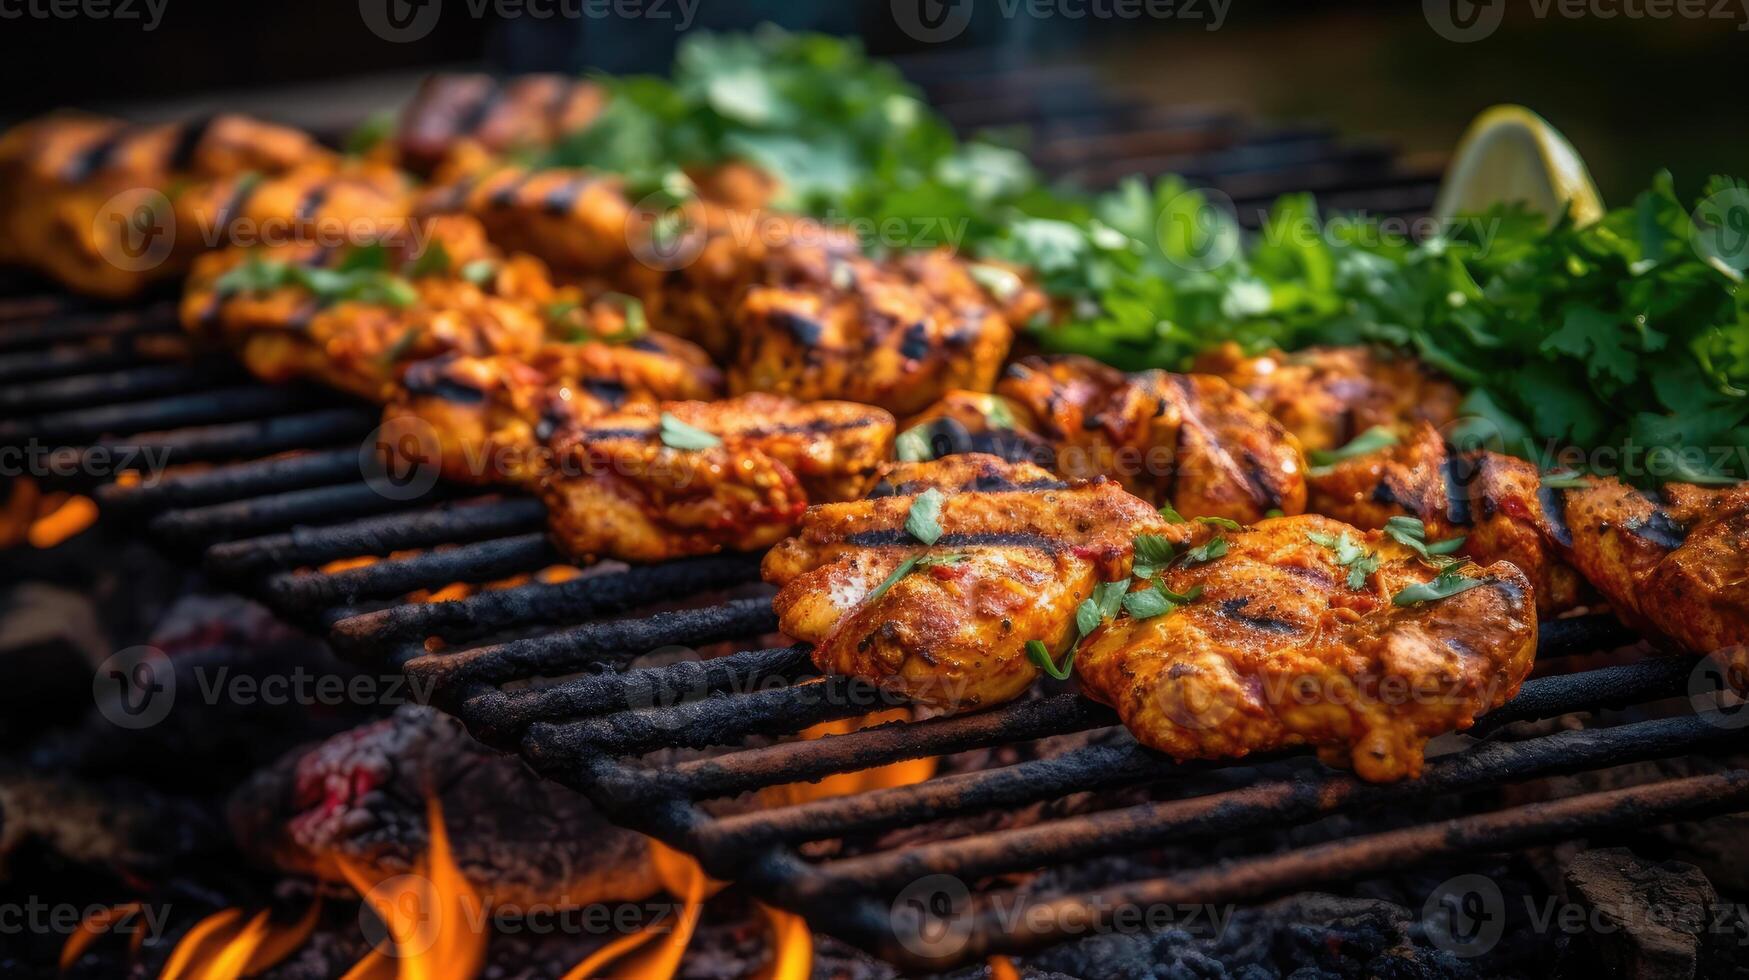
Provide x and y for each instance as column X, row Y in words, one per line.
column 548, row 669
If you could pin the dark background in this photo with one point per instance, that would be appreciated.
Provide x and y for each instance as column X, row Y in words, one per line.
column 1634, row 95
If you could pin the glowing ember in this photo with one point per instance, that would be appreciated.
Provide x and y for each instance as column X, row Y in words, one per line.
column 1002, row 968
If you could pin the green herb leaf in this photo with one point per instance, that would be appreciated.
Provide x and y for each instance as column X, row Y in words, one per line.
column 912, row 445
column 923, row 521
column 1371, row 441
column 1087, row 616
column 636, row 324
column 1040, row 655
column 480, row 272
column 1153, row 551
column 1109, row 596
column 1214, row 548
column 1225, row 523
column 1171, row 514
column 1350, row 554
column 370, row 134
column 404, row 343
column 1147, row 603
column 909, row 565
column 1411, row 533
column 1566, row 480
column 434, row 261
column 1449, row 583
column 678, row 435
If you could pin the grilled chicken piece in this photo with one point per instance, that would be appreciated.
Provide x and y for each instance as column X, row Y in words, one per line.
column 1189, row 440
column 878, row 335
column 1326, row 396
column 953, row 634
column 492, row 416
column 362, row 346
column 1496, row 503
column 617, row 489
column 84, row 199
column 97, row 243
column 1676, row 563
column 1278, row 651
column 1671, row 563
column 688, row 266
column 975, row 422
column 456, row 122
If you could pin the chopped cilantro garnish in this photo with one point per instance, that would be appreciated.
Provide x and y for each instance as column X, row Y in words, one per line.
column 679, row 435
column 908, row 566
column 1214, row 548
column 1450, row 582
column 1412, row 534
column 923, row 521
column 1040, row 655
column 1350, row 554
column 1371, row 441
column 912, row 446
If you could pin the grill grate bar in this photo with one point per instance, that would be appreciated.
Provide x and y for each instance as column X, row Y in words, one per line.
column 1273, row 803
column 253, row 478
column 1509, row 829
column 200, row 526
column 484, row 561
column 1097, row 766
column 576, row 649
column 230, row 440
column 63, row 360
column 894, row 742
column 141, row 381
column 701, row 724
column 459, row 522
column 79, row 426
column 16, row 308
column 499, row 718
column 159, row 318
column 541, row 603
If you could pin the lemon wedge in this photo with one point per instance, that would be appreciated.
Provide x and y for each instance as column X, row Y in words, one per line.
column 1510, row 154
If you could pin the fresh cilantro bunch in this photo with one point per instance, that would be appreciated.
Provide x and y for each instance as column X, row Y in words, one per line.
column 1621, row 332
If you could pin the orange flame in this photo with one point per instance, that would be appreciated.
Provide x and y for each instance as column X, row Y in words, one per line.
column 435, row 920
column 792, row 943
column 94, row 927
column 224, row 947
column 1002, row 968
